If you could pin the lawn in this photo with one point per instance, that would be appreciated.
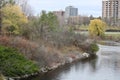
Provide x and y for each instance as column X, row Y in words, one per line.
column 108, row 34
column 113, row 35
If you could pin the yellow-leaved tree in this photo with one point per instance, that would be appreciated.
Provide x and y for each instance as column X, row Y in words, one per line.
column 12, row 19
column 97, row 28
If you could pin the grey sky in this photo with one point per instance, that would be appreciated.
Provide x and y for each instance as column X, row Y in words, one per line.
column 86, row 7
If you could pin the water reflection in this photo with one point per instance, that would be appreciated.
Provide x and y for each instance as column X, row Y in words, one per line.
column 105, row 67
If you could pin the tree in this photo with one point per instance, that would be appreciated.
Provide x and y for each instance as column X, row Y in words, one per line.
column 48, row 21
column 2, row 4
column 40, row 25
column 97, row 27
column 26, row 8
column 43, row 21
column 91, row 17
column 52, row 21
column 13, row 18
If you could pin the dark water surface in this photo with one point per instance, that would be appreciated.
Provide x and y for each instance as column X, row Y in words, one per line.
column 105, row 67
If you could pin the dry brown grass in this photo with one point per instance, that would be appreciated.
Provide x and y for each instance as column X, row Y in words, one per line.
column 47, row 51
column 67, row 49
column 43, row 55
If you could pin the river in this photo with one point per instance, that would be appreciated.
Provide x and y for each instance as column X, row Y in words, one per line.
column 105, row 67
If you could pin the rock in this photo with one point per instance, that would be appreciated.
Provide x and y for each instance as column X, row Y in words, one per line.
column 86, row 54
column 69, row 60
column 44, row 70
column 10, row 79
column 26, row 75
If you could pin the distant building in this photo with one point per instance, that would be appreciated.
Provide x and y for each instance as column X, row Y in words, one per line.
column 111, row 11
column 60, row 16
column 71, row 11
column 78, row 20
column 74, row 20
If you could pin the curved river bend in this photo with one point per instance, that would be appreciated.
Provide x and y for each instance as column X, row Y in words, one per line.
column 105, row 67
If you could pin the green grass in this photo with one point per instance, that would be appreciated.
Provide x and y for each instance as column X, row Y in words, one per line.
column 108, row 35
column 83, row 28
column 113, row 36
column 13, row 64
column 112, row 28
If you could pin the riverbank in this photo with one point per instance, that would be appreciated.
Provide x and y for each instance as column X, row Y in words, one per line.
column 69, row 61
column 13, row 63
column 106, row 64
column 48, row 55
column 46, row 69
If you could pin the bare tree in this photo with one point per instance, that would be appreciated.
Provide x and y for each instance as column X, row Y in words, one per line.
column 26, row 8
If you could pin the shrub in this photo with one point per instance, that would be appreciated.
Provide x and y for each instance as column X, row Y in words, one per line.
column 89, row 46
column 12, row 63
column 32, row 50
column 24, row 46
column 63, row 38
column 94, row 47
column 97, row 28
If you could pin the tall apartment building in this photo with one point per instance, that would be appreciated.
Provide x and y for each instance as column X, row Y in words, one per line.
column 71, row 11
column 111, row 10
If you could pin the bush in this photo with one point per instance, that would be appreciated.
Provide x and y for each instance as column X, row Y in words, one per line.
column 13, row 64
column 26, row 47
column 89, row 46
column 32, row 50
column 97, row 28
column 94, row 47
column 63, row 38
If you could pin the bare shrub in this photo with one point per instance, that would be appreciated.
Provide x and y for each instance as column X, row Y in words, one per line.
column 23, row 45
column 32, row 50
column 60, row 39
column 4, row 40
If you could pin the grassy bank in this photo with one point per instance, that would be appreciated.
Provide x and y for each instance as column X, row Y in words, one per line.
column 13, row 63
column 49, row 52
column 48, row 49
column 115, row 36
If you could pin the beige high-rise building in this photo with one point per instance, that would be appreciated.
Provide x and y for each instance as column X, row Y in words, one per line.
column 111, row 10
column 61, row 17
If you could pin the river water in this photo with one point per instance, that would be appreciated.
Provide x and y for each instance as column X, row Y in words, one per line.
column 105, row 67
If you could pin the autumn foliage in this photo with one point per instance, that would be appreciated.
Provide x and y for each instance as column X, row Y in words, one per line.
column 12, row 19
column 97, row 27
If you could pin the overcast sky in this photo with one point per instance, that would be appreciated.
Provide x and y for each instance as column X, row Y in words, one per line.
column 85, row 7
